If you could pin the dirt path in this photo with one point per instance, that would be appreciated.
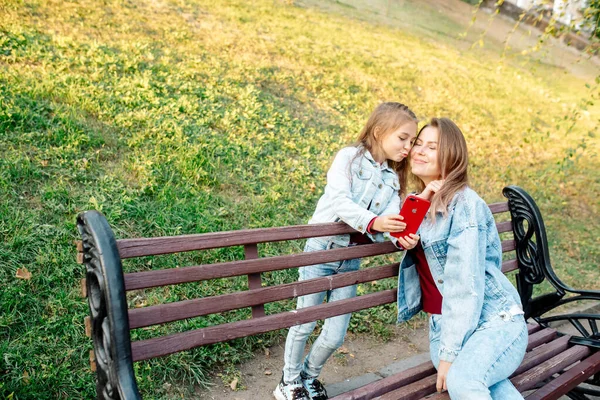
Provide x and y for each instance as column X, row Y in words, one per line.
column 359, row 355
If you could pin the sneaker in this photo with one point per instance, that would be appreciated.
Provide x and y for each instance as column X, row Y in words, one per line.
column 314, row 387
column 290, row 391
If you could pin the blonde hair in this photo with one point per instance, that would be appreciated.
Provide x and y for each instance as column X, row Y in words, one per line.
column 453, row 159
column 386, row 118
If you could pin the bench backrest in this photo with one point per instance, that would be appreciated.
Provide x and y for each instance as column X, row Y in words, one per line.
column 106, row 284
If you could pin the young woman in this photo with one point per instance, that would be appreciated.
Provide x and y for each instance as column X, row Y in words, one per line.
column 363, row 187
column 477, row 332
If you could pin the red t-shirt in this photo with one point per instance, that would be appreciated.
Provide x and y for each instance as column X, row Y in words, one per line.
column 432, row 298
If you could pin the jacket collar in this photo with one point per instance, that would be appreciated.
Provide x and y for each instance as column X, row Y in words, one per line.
column 382, row 166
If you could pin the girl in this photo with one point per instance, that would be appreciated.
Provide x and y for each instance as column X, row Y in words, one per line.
column 477, row 332
column 363, row 189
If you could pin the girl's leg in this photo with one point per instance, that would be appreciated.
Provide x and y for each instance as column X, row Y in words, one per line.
column 334, row 329
column 487, row 359
column 296, row 340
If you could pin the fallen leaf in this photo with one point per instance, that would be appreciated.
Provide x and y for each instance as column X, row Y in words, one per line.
column 233, row 384
column 268, row 372
column 26, row 377
column 267, row 353
column 351, row 355
column 343, row 350
column 23, row 273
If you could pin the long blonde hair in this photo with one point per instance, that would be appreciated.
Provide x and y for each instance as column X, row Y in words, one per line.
column 386, row 118
column 453, row 159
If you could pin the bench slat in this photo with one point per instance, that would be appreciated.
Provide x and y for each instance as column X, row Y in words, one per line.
column 567, row 381
column 504, row 226
column 497, row 208
column 545, row 370
column 140, row 280
column 415, row 390
column 203, row 241
column 508, row 245
column 510, row 265
column 541, row 337
column 389, row 383
column 159, row 314
column 138, row 247
column 164, row 345
column 542, row 353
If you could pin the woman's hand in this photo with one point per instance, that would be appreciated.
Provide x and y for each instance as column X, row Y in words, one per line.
column 389, row 223
column 432, row 188
column 409, row 242
column 442, row 373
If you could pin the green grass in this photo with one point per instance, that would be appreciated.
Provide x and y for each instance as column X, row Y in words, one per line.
column 198, row 116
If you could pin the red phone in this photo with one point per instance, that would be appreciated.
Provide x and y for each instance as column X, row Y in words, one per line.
column 413, row 210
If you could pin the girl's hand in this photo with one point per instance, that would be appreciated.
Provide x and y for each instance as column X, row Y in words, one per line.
column 443, row 368
column 389, row 223
column 409, row 242
column 432, row 188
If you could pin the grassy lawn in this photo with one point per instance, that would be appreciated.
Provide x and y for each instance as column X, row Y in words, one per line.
column 188, row 116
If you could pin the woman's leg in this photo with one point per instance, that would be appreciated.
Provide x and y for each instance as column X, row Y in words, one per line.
column 487, row 359
column 334, row 329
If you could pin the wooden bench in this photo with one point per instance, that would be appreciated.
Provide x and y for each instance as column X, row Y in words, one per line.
column 556, row 363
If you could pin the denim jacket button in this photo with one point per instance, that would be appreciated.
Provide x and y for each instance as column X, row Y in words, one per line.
column 376, row 204
column 360, row 227
column 380, row 186
column 440, row 281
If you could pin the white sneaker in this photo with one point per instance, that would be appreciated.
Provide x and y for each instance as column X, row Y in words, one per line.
column 290, row 391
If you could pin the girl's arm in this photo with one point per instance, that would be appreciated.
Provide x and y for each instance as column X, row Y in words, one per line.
column 464, row 284
column 339, row 186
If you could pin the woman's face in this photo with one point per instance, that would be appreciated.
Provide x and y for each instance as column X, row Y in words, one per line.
column 424, row 155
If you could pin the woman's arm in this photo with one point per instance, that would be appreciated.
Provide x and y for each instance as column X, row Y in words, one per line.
column 464, row 284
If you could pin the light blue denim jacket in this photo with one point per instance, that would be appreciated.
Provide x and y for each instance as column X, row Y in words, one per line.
column 358, row 189
column 464, row 253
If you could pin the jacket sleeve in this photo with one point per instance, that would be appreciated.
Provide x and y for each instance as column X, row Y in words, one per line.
column 339, row 185
column 464, row 283
column 393, row 207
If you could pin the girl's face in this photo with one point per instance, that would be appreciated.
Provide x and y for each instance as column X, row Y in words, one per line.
column 396, row 145
column 424, row 155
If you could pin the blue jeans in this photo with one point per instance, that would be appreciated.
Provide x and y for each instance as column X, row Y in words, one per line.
column 489, row 356
column 334, row 329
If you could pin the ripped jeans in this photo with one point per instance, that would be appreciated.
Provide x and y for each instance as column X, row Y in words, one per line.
column 489, row 356
column 334, row 329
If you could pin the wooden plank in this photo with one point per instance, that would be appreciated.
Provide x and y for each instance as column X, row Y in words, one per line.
column 172, row 276
column 508, row 245
column 496, row 208
column 92, row 361
column 541, row 337
column 162, row 313
column 568, row 380
column 510, row 265
column 254, row 280
column 79, row 258
column 389, row 383
column 83, row 287
column 533, row 328
column 174, row 244
column 161, row 346
column 79, row 245
column 545, row 370
column 543, row 353
column 413, row 391
column 504, row 226
column 87, row 322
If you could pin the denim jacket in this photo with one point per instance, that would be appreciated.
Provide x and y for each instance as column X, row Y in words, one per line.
column 464, row 254
column 358, row 189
